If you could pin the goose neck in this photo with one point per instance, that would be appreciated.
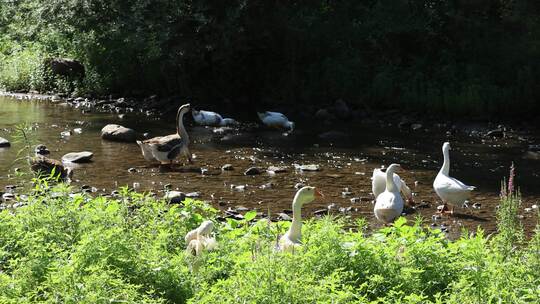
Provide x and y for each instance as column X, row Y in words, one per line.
column 390, row 186
column 296, row 227
column 445, row 169
column 180, row 129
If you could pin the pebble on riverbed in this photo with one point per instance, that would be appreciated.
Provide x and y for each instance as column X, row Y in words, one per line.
column 4, row 143
column 227, row 167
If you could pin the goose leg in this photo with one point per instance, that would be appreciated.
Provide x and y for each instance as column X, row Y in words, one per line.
column 445, row 210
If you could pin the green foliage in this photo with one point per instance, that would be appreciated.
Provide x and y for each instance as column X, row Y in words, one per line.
column 79, row 249
column 449, row 56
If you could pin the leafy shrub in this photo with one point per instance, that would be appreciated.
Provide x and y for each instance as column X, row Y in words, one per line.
column 78, row 249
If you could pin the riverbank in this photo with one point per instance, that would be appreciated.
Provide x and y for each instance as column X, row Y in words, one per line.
column 76, row 248
column 345, row 156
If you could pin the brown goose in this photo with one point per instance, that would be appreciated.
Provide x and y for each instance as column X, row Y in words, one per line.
column 44, row 166
column 166, row 148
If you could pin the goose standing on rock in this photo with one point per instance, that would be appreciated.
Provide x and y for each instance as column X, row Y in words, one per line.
column 378, row 185
column 200, row 239
column 293, row 237
column 166, row 148
column 389, row 204
column 209, row 118
column 449, row 189
column 276, row 120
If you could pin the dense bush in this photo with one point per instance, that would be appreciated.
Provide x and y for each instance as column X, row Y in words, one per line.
column 423, row 54
column 62, row 248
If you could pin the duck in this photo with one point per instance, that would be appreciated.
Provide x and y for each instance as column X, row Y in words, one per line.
column 276, row 120
column 44, row 166
column 209, row 118
column 200, row 239
column 450, row 190
column 389, row 204
column 378, row 185
column 292, row 239
column 165, row 149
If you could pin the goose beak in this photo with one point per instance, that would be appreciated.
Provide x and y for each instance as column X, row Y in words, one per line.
column 318, row 193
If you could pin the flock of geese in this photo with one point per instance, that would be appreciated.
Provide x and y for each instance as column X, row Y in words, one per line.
column 387, row 187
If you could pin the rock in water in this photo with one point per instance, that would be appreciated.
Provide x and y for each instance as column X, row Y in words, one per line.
column 312, row 167
column 175, row 197
column 277, row 169
column 4, row 143
column 118, row 133
column 78, row 157
column 253, row 171
column 227, row 167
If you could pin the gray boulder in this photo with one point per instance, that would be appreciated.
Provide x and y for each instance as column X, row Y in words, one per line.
column 78, row 157
column 118, row 133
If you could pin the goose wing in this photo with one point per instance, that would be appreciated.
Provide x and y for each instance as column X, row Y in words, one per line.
column 165, row 143
column 452, row 185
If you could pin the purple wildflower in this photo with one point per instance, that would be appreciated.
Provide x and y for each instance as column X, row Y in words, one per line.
column 511, row 179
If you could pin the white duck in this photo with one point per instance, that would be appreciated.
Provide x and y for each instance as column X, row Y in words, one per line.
column 389, row 204
column 166, row 148
column 293, row 237
column 276, row 120
column 449, row 189
column 200, row 239
column 208, row 118
column 378, row 185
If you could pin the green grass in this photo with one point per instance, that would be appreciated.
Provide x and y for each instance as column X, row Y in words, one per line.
column 130, row 249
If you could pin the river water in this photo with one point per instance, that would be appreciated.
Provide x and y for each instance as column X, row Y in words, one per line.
column 346, row 162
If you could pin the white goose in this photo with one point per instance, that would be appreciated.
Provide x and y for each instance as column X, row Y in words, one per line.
column 449, row 189
column 276, row 120
column 208, row 118
column 389, row 204
column 166, row 148
column 200, row 239
column 293, row 237
column 378, row 185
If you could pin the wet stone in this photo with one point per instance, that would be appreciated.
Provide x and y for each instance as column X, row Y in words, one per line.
column 320, row 212
column 276, row 169
column 10, row 187
column 132, row 170
column 267, row 186
column 4, row 143
column 253, row 171
column 311, row 167
column 284, row 217
column 193, row 194
column 78, row 157
column 227, row 167
column 477, row 206
column 119, row 133
column 175, row 197
column 8, row 196
column 416, row 126
column 299, row 185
